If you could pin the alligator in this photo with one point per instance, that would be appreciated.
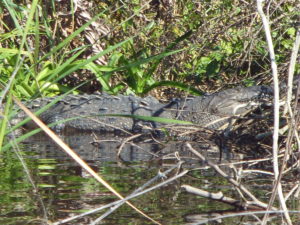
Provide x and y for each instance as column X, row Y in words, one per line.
column 101, row 112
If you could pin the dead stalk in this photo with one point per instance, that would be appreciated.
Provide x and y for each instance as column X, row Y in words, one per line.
column 276, row 113
column 219, row 196
column 294, row 54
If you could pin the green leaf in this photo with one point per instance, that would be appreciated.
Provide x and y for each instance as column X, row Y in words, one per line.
column 291, row 31
column 25, row 89
column 150, row 118
column 205, row 60
column 287, row 44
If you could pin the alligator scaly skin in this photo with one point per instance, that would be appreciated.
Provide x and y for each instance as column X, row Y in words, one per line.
column 210, row 111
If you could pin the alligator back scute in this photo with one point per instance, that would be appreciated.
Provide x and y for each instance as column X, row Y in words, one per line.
column 90, row 111
column 198, row 111
column 94, row 111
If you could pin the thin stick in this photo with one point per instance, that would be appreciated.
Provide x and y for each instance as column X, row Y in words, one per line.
column 138, row 193
column 219, row 197
column 294, row 54
column 276, row 113
column 125, row 141
column 135, row 194
column 247, row 213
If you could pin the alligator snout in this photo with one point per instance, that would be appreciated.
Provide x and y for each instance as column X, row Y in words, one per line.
column 259, row 93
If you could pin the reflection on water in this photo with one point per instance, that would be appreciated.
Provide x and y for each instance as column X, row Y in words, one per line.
column 67, row 190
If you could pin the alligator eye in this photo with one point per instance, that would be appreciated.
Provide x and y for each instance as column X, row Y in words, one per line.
column 103, row 109
column 36, row 105
column 144, row 103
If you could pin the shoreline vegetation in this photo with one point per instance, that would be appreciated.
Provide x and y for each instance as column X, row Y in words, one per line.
column 165, row 49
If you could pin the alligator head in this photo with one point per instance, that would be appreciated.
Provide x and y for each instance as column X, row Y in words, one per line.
column 240, row 100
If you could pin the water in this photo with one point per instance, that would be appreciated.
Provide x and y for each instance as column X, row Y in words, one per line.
column 67, row 190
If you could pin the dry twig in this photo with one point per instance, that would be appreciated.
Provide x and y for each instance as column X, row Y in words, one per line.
column 241, row 187
column 218, row 197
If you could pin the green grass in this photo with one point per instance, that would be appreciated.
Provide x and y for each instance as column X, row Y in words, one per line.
column 198, row 46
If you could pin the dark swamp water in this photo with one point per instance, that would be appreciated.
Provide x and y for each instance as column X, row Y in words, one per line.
column 67, row 190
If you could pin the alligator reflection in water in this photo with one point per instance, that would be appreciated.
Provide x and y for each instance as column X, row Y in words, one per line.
column 105, row 148
column 90, row 147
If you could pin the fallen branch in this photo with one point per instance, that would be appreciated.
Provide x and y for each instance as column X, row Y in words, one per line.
column 220, row 197
column 241, row 187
